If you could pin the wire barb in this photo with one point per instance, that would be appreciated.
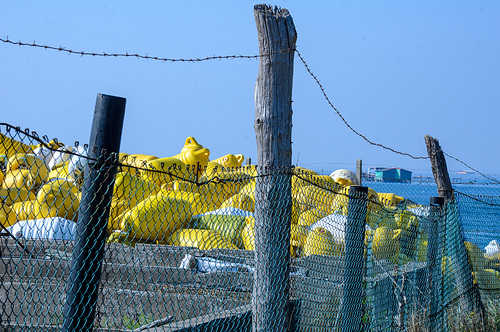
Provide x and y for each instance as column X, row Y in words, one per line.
column 475, row 170
column 221, row 57
column 139, row 56
column 342, row 117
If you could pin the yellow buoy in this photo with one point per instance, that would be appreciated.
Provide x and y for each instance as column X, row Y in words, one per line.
column 240, row 201
column 229, row 226
column 132, row 189
column 24, row 210
column 422, row 247
column 7, row 216
column 164, row 170
column 19, row 178
column 314, row 197
column 156, row 218
column 56, row 202
column 31, row 162
column 249, row 170
column 10, row 196
column 199, row 203
column 212, row 170
column 389, row 199
column 386, row 244
column 322, row 242
column 194, row 154
column 488, row 279
column 230, row 160
column 124, row 165
column 138, row 160
column 298, row 236
column 249, row 189
column 202, row 239
column 9, row 146
column 309, row 217
column 248, row 233
column 2, row 176
column 60, row 172
column 229, row 183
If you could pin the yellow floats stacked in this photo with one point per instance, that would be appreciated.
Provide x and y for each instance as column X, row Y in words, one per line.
column 152, row 198
column 155, row 197
column 188, row 200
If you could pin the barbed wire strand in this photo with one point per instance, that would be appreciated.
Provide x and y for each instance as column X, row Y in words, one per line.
column 342, row 117
column 477, row 199
column 220, row 57
column 140, row 56
column 475, row 170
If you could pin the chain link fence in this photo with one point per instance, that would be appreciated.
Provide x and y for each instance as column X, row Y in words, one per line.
column 184, row 252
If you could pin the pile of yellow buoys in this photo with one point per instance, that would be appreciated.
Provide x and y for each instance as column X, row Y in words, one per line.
column 188, row 200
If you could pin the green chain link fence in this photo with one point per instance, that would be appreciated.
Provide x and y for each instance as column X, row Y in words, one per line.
column 181, row 247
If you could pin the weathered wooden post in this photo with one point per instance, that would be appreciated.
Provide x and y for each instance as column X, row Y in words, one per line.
column 469, row 298
column 352, row 296
column 83, row 282
column 273, row 131
column 359, row 171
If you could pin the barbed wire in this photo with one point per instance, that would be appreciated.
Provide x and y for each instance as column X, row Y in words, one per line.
column 476, row 198
column 218, row 57
column 141, row 56
column 221, row 57
column 475, row 170
column 342, row 117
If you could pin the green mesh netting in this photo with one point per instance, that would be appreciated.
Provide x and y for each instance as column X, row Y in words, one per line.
column 231, row 249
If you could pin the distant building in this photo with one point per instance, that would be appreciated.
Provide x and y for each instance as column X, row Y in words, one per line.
column 393, row 174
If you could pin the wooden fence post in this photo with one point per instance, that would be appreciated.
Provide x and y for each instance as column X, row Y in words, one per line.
column 359, row 171
column 469, row 297
column 86, row 262
column 273, row 131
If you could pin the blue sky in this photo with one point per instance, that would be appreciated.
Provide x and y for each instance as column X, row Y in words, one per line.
column 396, row 70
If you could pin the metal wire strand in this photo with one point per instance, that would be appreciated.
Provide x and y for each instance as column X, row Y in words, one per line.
column 141, row 56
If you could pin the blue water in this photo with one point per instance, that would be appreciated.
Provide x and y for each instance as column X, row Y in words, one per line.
column 480, row 221
column 479, row 214
column 420, row 193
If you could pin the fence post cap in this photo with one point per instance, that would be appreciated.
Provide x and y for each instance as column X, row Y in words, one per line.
column 360, row 189
column 436, row 200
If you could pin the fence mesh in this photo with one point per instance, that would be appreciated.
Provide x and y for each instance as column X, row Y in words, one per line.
column 199, row 247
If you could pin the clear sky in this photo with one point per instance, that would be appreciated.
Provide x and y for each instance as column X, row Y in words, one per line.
column 396, row 70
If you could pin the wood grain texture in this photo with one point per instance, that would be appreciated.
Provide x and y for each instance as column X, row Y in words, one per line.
column 273, row 132
column 439, row 168
column 469, row 296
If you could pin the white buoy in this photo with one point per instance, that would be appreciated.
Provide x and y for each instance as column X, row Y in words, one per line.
column 346, row 175
column 492, row 249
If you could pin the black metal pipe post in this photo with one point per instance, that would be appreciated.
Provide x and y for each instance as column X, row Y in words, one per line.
column 104, row 145
column 434, row 255
column 352, row 297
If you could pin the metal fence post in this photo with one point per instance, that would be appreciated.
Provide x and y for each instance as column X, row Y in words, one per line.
column 352, row 297
column 83, row 282
column 434, row 256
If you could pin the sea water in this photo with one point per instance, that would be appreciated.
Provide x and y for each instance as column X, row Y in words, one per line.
column 478, row 205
